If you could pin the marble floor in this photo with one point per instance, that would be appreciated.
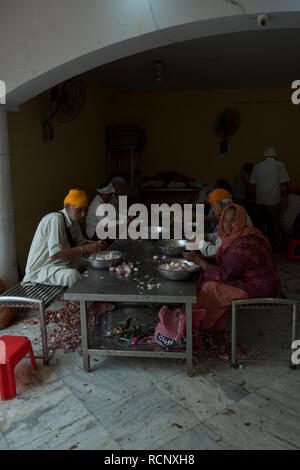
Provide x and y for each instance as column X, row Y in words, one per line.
column 146, row 404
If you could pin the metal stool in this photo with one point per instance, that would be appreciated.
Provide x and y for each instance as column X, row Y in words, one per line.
column 30, row 295
column 257, row 304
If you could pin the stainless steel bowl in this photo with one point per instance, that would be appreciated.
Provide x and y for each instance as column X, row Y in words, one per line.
column 171, row 247
column 103, row 263
column 177, row 275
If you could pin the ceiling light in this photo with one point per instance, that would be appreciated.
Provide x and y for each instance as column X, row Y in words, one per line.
column 159, row 74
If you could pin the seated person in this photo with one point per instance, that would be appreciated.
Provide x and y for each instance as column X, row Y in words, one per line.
column 105, row 195
column 218, row 199
column 120, row 186
column 243, row 268
column 120, row 189
column 57, row 242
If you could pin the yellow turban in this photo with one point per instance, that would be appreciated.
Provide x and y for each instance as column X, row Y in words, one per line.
column 219, row 195
column 75, row 197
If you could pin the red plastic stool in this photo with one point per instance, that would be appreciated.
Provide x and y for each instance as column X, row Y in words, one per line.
column 12, row 350
column 291, row 250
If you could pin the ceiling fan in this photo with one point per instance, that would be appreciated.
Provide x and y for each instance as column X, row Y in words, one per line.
column 227, row 123
column 66, row 103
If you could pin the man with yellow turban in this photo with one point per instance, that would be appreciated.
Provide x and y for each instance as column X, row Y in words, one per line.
column 57, row 242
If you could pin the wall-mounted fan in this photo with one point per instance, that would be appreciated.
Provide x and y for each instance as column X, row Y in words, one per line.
column 66, row 103
column 227, row 123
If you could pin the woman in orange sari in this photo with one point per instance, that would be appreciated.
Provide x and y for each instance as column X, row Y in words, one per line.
column 242, row 268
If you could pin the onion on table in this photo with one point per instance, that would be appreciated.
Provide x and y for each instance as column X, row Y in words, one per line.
column 125, row 268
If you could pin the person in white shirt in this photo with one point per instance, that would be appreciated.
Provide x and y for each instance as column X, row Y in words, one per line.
column 218, row 199
column 105, row 195
column 269, row 190
column 57, row 242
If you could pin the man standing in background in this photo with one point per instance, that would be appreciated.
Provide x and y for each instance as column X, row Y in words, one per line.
column 269, row 188
column 241, row 184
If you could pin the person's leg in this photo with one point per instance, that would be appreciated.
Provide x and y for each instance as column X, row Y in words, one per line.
column 273, row 221
column 260, row 217
column 64, row 277
column 216, row 298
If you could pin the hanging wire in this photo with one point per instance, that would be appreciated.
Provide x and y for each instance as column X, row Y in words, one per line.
column 237, row 4
column 234, row 3
column 157, row 25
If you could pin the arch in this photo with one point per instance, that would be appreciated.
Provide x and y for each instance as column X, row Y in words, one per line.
column 18, row 93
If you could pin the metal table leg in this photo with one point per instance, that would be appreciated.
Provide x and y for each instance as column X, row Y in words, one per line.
column 234, row 336
column 294, row 333
column 189, row 339
column 84, row 336
column 44, row 334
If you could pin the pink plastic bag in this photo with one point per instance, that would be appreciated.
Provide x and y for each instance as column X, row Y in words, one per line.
column 171, row 328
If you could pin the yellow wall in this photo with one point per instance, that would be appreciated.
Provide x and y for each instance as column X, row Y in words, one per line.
column 180, row 136
column 43, row 172
column 180, row 130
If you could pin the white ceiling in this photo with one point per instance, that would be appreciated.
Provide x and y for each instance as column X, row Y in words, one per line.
column 263, row 58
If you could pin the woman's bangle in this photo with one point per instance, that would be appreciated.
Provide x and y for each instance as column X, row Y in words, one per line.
column 81, row 250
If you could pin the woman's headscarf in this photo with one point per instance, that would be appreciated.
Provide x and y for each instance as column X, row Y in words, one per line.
column 240, row 229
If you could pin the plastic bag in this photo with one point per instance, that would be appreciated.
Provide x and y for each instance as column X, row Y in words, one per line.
column 171, row 328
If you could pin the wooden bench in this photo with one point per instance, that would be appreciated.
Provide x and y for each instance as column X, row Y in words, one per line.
column 30, row 295
column 262, row 304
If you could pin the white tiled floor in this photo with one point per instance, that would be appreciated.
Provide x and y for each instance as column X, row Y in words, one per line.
column 131, row 403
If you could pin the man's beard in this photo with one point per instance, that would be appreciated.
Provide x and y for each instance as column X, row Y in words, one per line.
column 75, row 220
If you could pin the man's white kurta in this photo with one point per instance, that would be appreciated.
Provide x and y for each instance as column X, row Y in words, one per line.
column 268, row 175
column 50, row 238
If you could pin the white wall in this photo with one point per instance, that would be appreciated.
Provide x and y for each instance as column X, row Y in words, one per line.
column 44, row 42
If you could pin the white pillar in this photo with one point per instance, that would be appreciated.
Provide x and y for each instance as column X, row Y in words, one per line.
column 8, row 256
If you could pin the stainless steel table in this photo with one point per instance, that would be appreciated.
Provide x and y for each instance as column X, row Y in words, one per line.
column 102, row 285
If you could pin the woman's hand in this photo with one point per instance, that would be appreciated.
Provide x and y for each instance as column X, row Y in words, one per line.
column 195, row 258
